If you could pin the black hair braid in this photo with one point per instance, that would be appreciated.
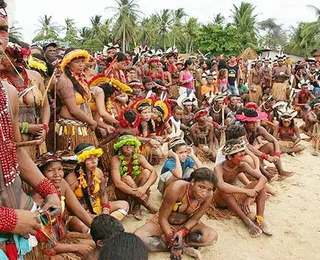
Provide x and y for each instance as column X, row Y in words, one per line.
column 75, row 83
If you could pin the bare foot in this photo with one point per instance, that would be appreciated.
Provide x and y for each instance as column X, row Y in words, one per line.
column 264, row 228
column 152, row 209
column 190, row 251
column 274, row 178
column 285, row 174
column 254, row 230
column 137, row 212
column 315, row 153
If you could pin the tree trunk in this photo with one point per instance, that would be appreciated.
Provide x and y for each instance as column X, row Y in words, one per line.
column 124, row 39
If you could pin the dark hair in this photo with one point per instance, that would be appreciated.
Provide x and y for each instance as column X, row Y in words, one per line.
column 130, row 115
column 203, row 174
column 3, row 4
column 104, row 227
column 165, row 68
column 125, row 133
column 108, row 90
column 235, row 131
column 75, row 83
column 187, row 63
column 177, row 146
column 222, row 64
column 146, row 80
column 232, row 142
column 206, row 61
column 318, row 115
column 291, row 122
column 121, row 56
column 124, row 246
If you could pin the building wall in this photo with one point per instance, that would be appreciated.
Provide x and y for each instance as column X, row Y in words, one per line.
column 272, row 55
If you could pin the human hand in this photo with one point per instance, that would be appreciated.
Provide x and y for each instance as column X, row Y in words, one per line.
column 93, row 125
column 35, row 129
column 110, row 129
column 142, row 190
column 52, row 201
column 190, row 151
column 177, row 240
column 246, row 205
column 172, row 154
column 83, row 249
column 28, row 223
column 251, row 193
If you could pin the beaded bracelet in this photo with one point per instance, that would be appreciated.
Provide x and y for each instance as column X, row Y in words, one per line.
column 106, row 206
column 264, row 156
column 170, row 239
column 184, row 230
column 277, row 154
column 8, row 220
column 24, row 128
column 45, row 188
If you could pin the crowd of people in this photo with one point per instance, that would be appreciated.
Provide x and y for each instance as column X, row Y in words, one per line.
column 84, row 134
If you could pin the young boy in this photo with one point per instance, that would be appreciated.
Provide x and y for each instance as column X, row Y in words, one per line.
column 103, row 227
column 175, row 122
column 179, row 165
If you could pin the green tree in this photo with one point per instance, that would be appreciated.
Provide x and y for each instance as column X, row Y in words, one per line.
column 71, row 33
column 48, row 30
column 218, row 19
column 177, row 24
column 15, row 31
column 217, row 39
column 164, row 21
column 272, row 34
column 127, row 13
column 245, row 21
column 191, row 32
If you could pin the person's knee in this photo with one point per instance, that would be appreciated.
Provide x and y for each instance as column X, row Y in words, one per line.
column 211, row 236
column 121, row 204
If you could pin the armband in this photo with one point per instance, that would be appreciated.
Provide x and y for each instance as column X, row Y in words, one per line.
column 8, row 220
column 45, row 188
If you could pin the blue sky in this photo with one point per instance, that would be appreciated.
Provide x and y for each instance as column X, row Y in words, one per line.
column 27, row 12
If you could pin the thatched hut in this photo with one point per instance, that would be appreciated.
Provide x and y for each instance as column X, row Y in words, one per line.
column 248, row 54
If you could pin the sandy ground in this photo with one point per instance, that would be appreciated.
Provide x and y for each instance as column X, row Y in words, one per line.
column 293, row 214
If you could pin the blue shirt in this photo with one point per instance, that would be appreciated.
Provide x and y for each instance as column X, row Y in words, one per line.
column 170, row 164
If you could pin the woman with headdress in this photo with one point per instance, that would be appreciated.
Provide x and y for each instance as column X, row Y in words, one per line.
column 154, row 71
column 76, row 124
column 34, row 110
column 287, row 132
column 161, row 113
column 147, row 129
column 89, row 184
column 69, row 245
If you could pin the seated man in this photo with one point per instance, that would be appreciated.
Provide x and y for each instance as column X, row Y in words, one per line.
column 131, row 173
column 203, row 136
column 103, row 227
column 303, row 98
column 262, row 144
column 178, row 225
column 180, row 164
column 236, row 198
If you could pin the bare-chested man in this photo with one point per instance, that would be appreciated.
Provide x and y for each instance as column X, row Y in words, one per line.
column 266, row 146
column 255, row 81
column 236, row 198
column 280, row 75
column 15, row 205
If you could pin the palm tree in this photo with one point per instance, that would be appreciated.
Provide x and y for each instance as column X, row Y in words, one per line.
column 273, row 34
column 164, row 21
column 15, row 32
column 218, row 19
column 147, row 31
column 177, row 16
column 71, row 36
column 313, row 28
column 191, row 32
column 48, row 31
column 127, row 12
column 245, row 21
column 96, row 23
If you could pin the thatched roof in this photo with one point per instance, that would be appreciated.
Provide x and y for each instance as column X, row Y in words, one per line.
column 248, row 54
column 317, row 53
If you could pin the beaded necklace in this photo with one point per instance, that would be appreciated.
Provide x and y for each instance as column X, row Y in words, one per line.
column 13, row 82
column 124, row 165
column 189, row 199
column 8, row 153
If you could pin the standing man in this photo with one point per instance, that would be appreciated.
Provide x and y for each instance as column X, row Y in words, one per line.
column 50, row 52
column 18, row 217
column 280, row 74
column 233, row 75
column 255, row 83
